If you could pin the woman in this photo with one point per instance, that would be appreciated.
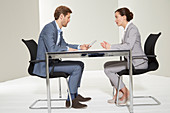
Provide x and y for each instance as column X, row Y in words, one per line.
column 131, row 40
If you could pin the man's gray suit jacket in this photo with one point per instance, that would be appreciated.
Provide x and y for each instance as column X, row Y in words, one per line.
column 132, row 41
column 47, row 43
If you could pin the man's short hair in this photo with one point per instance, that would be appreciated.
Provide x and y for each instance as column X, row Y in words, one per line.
column 61, row 10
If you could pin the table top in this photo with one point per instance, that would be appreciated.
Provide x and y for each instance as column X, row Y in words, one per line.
column 88, row 53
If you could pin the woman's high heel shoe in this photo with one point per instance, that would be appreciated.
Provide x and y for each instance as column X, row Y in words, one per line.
column 123, row 101
column 112, row 101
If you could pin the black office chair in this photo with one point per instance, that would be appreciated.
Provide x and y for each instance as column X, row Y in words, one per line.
column 149, row 49
column 32, row 46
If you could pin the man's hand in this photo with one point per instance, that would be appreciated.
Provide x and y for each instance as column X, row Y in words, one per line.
column 84, row 47
column 105, row 45
column 71, row 49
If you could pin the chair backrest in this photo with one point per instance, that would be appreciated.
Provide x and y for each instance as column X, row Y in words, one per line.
column 149, row 49
column 32, row 47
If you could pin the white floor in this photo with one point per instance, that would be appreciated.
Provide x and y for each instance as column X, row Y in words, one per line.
column 17, row 95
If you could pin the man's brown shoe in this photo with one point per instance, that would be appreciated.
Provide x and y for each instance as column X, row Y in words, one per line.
column 82, row 99
column 75, row 104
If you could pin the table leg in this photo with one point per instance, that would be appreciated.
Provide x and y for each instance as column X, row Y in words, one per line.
column 48, row 85
column 130, row 82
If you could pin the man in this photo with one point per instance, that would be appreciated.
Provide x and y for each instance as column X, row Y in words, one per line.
column 51, row 40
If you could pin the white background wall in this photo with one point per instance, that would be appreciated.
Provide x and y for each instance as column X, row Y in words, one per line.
column 152, row 16
column 18, row 19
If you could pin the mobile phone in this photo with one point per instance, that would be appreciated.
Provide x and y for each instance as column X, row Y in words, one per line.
column 92, row 43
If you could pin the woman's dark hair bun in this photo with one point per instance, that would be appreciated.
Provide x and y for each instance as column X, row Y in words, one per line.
column 130, row 16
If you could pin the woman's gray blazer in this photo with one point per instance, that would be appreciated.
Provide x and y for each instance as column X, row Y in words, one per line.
column 132, row 41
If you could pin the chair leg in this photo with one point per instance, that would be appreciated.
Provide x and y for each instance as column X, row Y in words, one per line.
column 143, row 104
column 45, row 107
column 49, row 96
column 151, row 97
column 118, row 88
column 60, row 95
column 113, row 91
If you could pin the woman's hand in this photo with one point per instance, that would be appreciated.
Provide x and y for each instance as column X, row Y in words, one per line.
column 105, row 45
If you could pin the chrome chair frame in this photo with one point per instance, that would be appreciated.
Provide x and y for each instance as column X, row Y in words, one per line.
column 131, row 90
column 32, row 106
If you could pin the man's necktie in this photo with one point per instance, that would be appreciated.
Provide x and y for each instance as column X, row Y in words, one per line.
column 60, row 38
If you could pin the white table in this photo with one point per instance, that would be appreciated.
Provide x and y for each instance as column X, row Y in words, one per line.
column 89, row 54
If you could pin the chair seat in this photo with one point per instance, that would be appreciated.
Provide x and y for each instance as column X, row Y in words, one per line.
column 55, row 75
column 135, row 72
